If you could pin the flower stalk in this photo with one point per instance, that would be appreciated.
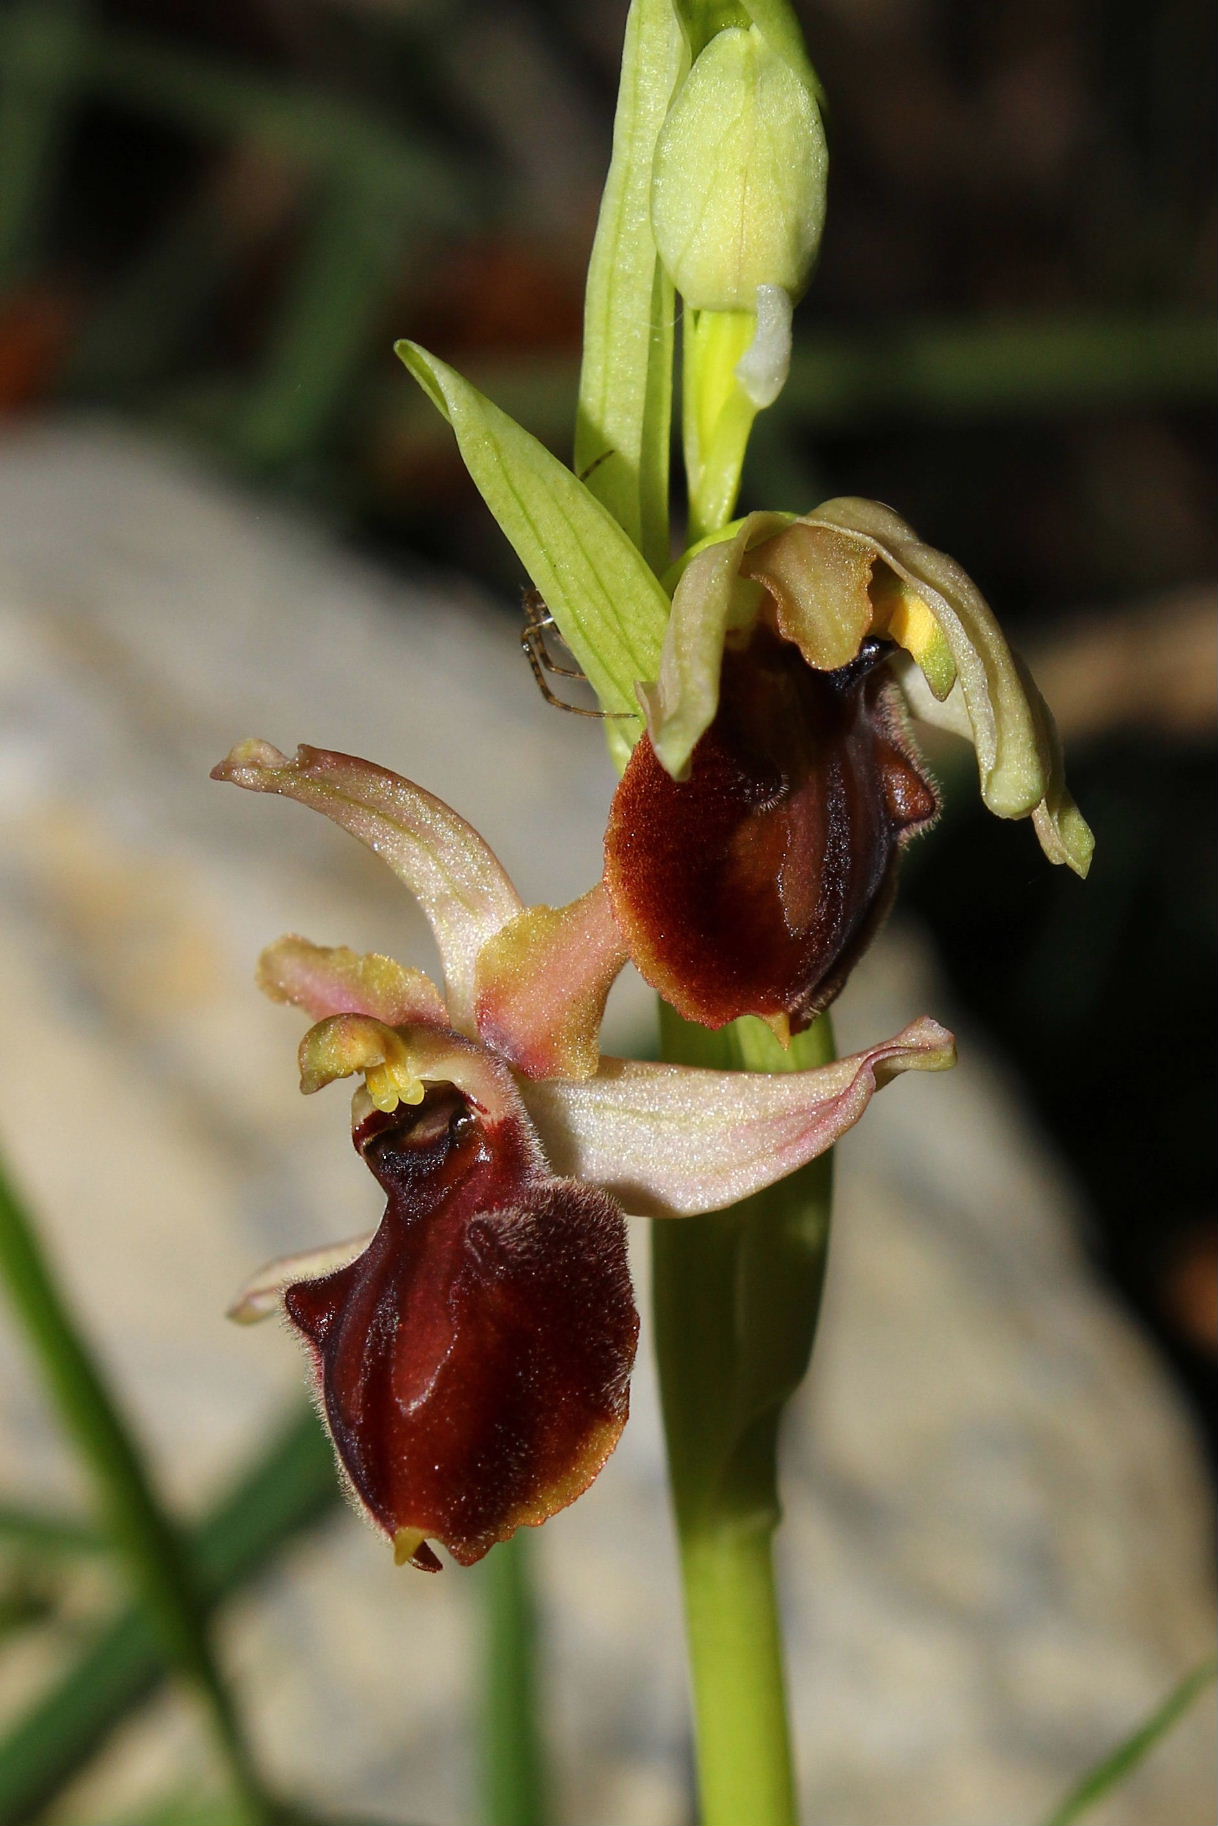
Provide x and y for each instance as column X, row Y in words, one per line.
column 736, row 1297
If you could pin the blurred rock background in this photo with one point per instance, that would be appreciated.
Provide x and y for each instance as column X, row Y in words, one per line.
column 223, row 510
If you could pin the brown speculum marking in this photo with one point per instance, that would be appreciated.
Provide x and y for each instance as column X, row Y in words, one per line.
column 474, row 1362
column 754, row 886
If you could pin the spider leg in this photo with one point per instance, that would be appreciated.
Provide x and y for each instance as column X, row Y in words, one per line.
column 537, row 620
column 530, row 641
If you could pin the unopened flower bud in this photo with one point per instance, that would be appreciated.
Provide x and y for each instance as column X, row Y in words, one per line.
column 738, row 194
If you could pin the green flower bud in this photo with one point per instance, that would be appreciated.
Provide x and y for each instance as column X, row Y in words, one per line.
column 738, row 193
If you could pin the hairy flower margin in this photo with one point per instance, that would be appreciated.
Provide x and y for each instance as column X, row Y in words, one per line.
column 472, row 1356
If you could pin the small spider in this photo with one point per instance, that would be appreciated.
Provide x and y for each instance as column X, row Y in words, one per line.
column 538, row 622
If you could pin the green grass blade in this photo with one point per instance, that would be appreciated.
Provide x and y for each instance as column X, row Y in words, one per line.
column 47, row 1533
column 307, row 124
column 346, row 267
column 40, row 56
column 140, row 1527
column 289, row 1485
column 1122, row 1761
column 624, row 419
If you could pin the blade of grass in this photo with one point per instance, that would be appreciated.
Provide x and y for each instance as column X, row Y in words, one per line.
column 48, row 1533
column 41, row 65
column 345, row 271
column 288, row 1486
column 306, row 124
column 139, row 1525
column 1122, row 1761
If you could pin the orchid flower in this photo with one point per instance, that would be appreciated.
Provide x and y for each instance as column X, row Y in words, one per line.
column 753, row 846
column 472, row 1357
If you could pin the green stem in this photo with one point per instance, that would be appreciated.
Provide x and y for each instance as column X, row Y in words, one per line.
column 514, row 1763
column 717, row 414
column 736, row 1299
column 141, row 1528
column 745, row 1766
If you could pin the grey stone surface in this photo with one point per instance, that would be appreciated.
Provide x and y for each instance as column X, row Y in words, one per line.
column 995, row 1558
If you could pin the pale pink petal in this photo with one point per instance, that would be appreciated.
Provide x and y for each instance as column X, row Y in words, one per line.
column 332, row 979
column 674, row 1140
column 442, row 860
column 542, row 983
column 263, row 1292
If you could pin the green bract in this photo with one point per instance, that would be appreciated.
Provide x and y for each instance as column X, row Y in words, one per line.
column 623, row 427
column 607, row 603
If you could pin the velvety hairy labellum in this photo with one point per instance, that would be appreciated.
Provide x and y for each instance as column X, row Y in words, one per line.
column 474, row 1360
column 754, row 886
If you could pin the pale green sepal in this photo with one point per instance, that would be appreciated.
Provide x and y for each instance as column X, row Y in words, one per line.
column 738, row 198
column 711, row 600
column 607, row 604
column 623, row 425
column 1013, row 768
column 1063, row 832
column 1018, row 751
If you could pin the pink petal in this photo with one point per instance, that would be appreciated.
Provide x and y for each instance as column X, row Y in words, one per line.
column 542, row 983
column 332, row 979
column 675, row 1140
column 442, row 860
column 263, row 1292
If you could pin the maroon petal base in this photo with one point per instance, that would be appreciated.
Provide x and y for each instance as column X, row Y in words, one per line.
column 754, row 886
column 474, row 1362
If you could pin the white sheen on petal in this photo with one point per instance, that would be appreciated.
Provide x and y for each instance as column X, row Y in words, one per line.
column 674, row 1140
column 763, row 368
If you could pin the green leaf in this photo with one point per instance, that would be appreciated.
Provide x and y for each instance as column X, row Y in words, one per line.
column 623, row 427
column 608, row 605
column 48, row 1533
column 1122, row 1761
column 143, row 1530
column 289, row 1484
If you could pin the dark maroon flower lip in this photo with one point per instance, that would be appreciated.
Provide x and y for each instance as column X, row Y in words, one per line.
column 474, row 1361
column 756, row 884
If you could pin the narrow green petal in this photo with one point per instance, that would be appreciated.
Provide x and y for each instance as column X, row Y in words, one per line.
column 607, row 603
